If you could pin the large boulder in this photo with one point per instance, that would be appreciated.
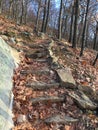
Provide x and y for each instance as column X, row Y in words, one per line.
column 66, row 78
column 7, row 65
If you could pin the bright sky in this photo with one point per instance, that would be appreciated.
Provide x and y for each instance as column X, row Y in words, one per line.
column 57, row 2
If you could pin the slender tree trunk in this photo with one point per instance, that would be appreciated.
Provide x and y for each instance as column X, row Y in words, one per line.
column 74, row 42
column 84, row 29
column 60, row 21
column 71, row 26
column 64, row 20
column 10, row 8
column 25, row 11
column 47, row 17
column 15, row 8
column 22, row 12
column 95, row 37
column 38, row 14
column 87, row 34
column 0, row 6
column 44, row 16
column 65, row 26
column 80, row 30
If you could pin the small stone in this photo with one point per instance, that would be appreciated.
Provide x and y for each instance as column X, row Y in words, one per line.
column 88, row 79
column 21, row 118
column 12, row 40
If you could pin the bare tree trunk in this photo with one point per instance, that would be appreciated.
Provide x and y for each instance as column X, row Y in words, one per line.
column 47, row 17
column 25, row 11
column 11, row 8
column 38, row 14
column 87, row 35
column 65, row 26
column 16, row 11
column 95, row 37
column 44, row 16
column 60, row 21
column 0, row 6
column 74, row 42
column 80, row 30
column 84, row 29
column 71, row 26
column 22, row 11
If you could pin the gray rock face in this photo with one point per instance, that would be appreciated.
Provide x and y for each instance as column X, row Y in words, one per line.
column 6, row 72
column 66, row 78
column 83, row 101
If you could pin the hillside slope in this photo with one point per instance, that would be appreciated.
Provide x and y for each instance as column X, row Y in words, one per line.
column 53, row 87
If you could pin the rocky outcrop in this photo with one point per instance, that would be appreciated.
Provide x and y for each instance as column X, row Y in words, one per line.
column 8, row 61
column 82, row 96
column 64, row 74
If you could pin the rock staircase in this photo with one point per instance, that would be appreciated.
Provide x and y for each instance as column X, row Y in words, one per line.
column 48, row 106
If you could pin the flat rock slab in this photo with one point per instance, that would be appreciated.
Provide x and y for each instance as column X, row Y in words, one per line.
column 46, row 99
column 83, row 101
column 60, row 119
column 66, row 78
column 41, row 85
column 38, row 72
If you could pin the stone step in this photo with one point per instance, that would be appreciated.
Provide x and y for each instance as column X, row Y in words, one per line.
column 41, row 85
column 37, row 60
column 35, row 45
column 44, row 60
column 46, row 99
column 40, row 60
column 60, row 119
column 38, row 72
column 36, row 55
column 35, row 50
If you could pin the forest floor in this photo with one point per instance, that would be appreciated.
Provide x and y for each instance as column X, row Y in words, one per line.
column 43, row 101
